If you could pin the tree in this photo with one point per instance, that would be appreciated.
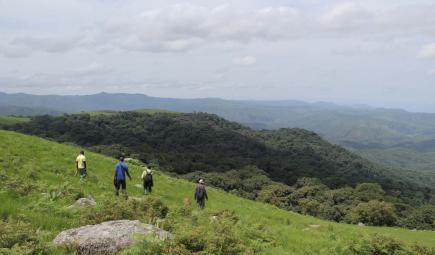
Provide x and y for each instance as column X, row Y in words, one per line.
column 377, row 213
column 369, row 191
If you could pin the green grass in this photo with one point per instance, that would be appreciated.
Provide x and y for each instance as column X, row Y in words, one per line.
column 52, row 167
column 10, row 120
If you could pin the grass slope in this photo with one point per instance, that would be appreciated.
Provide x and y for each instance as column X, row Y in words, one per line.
column 11, row 120
column 53, row 164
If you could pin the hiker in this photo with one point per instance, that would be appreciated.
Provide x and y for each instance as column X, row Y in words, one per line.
column 81, row 165
column 147, row 177
column 201, row 194
column 119, row 179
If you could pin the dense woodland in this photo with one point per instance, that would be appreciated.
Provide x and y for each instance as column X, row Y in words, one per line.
column 292, row 168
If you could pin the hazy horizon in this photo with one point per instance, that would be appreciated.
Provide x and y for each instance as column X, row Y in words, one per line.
column 376, row 53
column 355, row 105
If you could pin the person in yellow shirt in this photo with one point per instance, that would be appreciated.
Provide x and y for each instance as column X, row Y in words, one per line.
column 81, row 165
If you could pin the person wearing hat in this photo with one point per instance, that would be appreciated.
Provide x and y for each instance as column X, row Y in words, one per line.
column 147, row 177
column 201, row 194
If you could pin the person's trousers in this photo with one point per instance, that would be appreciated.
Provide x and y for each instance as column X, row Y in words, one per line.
column 201, row 203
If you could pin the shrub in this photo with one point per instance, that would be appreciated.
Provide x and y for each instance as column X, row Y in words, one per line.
column 224, row 241
column 374, row 213
column 18, row 237
column 147, row 210
column 422, row 218
column 383, row 245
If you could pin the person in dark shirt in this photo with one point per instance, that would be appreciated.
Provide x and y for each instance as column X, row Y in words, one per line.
column 201, row 194
column 147, row 177
column 121, row 169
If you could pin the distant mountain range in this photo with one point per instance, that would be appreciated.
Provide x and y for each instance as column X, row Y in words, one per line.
column 391, row 137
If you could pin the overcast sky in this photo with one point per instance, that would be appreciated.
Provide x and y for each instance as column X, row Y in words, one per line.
column 376, row 52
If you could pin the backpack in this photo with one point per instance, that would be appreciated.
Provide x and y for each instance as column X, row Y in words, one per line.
column 200, row 192
column 147, row 177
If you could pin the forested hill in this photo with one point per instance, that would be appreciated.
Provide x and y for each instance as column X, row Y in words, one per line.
column 186, row 143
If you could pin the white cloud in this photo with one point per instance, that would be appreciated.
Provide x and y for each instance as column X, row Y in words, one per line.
column 347, row 15
column 92, row 69
column 22, row 46
column 245, row 61
column 184, row 26
column 427, row 51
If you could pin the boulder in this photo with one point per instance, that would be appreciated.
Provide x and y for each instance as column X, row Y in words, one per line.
column 107, row 237
column 83, row 202
column 361, row 224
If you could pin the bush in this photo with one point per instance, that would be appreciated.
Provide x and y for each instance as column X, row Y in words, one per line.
column 146, row 210
column 19, row 185
column 383, row 245
column 224, row 241
column 374, row 213
column 421, row 218
column 18, row 237
column 148, row 246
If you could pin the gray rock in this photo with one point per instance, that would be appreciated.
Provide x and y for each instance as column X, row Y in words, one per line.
column 361, row 224
column 83, row 202
column 107, row 237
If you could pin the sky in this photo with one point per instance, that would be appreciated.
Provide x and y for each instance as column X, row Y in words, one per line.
column 374, row 52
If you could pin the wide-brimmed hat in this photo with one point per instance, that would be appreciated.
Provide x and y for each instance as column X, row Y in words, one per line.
column 201, row 181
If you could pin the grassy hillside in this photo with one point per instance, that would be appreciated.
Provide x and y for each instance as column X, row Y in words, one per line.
column 36, row 175
column 10, row 120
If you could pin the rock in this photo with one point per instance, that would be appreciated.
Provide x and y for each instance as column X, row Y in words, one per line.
column 414, row 230
column 140, row 186
column 107, row 237
column 361, row 224
column 83, row 202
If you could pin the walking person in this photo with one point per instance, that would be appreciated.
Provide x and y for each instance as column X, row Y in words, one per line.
column 81, row 165
column 147, row 177
column 201, row 194
column 121, row 169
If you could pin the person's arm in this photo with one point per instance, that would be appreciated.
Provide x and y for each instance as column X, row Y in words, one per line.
column 196, row 192
column 152, row 182
column 143, row 174
column 127, row 172
column 84, row 164
column 205, row 194
column 77, row 167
